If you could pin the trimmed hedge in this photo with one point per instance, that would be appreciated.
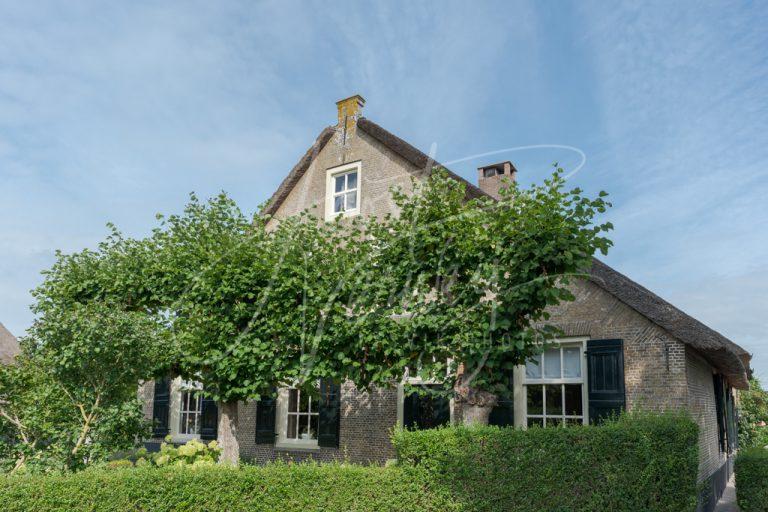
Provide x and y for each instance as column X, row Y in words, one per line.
column 752, row 480
column 283, row 487
column 638, row 462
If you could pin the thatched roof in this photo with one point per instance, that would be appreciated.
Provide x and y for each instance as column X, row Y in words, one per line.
column 722, row 353
column 719, row 350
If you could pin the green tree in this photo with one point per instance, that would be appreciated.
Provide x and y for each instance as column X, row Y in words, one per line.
column 753, row 416
column 71, row 398
column 251, row 308
column 473, row 280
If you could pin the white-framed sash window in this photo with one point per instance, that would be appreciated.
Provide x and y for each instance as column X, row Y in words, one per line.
column 185, row 410
column 554, row 386
column 342, row 191
column 297, row 418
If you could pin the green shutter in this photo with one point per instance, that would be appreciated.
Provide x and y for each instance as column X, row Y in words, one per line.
column 265, row 420
column 209, row 419
column 160, row 407
column 720, row 409
column 329, row 414
column 605, row 378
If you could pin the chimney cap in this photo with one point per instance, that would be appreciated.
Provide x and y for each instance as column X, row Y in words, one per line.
column 360, row 99
column 505, row 165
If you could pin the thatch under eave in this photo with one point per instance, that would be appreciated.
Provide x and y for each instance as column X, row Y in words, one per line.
column 719, row 350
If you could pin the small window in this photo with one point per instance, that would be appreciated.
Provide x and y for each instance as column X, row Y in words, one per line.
column 298, row 417
column 343, row 191
column 191, row 409
column 554, row 388
column 302, row 416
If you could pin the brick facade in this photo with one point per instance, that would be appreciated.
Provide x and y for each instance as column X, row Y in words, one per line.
column 701, row 404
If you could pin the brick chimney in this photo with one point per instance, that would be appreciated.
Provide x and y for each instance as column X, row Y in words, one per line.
column 491, row 178
column 349, row 110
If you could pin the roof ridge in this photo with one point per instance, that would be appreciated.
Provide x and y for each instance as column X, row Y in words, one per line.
column 413, row 155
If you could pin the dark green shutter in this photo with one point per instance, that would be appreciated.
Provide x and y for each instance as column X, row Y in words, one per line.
column 605, row 378
column 426, row 410
column 209, row 419
column 730, row 419
column 160, row 407
column 265, row 420
column 719, row 385
column 503, row 415
column 329, row 414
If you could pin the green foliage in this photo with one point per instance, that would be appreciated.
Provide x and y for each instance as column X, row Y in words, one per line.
column 301, row 488
column 474, row 278
column 194, row 452
column 191, row 453
column 753, row 416
column 40, row 425
column 752, row 480
column 638, row 462
column 220, row 298
column 71, row 398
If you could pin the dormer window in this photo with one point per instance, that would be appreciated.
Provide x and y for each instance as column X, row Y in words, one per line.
column 343, row 191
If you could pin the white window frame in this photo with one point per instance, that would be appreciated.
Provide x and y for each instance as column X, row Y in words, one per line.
column 281, row 419
column 330, row 193
column 521, row 383
column 178, row 387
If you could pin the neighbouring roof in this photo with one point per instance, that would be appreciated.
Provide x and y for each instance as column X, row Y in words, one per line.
column 722, row 353
column 9, row 346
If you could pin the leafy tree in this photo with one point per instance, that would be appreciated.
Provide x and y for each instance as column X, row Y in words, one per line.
column 454, row 290
column 250, row 307
column 71, row 398
column 753, row 416
column 475, row 279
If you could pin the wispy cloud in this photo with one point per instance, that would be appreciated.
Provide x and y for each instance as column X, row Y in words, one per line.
column 685, row 112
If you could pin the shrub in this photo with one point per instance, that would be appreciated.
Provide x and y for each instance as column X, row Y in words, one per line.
column 753, row 416
column 638, row 462
column 752, row 480
column 284, row 487
column 193, row 452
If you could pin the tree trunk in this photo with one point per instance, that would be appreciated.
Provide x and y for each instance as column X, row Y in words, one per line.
column 227, row 433
column 475, row 414
column 474, row 405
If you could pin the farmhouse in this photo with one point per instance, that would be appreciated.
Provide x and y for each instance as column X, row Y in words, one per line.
column 623, row 346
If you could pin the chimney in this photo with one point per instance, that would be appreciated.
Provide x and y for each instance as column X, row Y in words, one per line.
column 491, row 178
column 349, row 110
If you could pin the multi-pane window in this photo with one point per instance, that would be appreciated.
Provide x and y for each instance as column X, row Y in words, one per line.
column 345, row 191
column 554, row 387
column 191, row 409
column 302, row 412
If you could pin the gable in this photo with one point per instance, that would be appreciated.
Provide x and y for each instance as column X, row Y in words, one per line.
column 380, row 170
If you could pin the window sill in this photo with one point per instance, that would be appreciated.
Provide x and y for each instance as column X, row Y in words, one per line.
column 297, row 447
column 345, row 214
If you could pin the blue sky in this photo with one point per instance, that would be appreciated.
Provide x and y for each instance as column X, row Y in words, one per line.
column 116, row 112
